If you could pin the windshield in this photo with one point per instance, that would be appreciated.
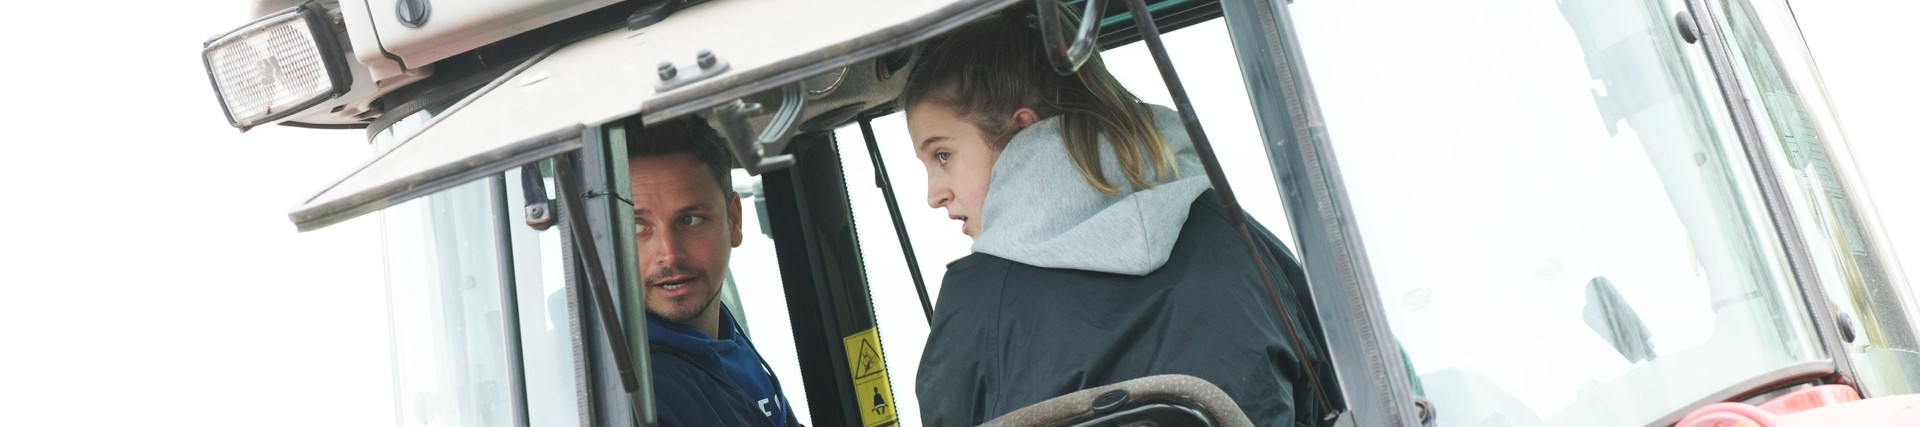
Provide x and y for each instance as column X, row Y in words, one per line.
column 1559, row 219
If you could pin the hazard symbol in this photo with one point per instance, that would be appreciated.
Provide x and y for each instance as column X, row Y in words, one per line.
column 868, row 362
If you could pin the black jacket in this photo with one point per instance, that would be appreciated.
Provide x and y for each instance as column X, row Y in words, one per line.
column 1006, row 335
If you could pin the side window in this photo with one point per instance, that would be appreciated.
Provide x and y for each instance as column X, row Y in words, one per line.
column 1205, row 60
column 443, row 292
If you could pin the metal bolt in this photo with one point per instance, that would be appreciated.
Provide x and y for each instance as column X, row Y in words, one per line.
column 1846, row 326
column 535, row 212
column 1688, row 31
column 706, row 59
column 667, row 71
column 1426, row 410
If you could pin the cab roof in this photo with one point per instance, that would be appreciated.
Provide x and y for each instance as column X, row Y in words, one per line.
column 548, row 104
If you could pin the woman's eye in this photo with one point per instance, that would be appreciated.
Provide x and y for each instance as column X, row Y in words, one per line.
column 942, row 156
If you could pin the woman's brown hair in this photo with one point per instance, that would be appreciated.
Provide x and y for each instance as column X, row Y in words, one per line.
column 990, row 69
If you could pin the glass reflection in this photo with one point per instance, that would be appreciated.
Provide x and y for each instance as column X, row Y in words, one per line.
column 1558, row 217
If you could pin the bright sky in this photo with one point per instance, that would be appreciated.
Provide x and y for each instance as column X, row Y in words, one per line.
column 158, row 281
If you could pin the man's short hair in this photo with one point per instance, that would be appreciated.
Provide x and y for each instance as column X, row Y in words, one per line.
column 688, row 134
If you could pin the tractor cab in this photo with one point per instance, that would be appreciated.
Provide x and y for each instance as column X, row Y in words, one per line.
column 1579, row 213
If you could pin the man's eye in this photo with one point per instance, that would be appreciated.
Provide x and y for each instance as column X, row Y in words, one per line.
column 640, row 227
column 942, row 156
column 692, row 220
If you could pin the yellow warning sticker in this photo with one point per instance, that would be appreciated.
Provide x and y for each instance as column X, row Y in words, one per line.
column 870, row 386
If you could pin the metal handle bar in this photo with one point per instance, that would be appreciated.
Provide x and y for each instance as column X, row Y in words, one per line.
column 1066, row 58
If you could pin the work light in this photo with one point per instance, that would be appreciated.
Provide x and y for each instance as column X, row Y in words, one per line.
column 276, row 66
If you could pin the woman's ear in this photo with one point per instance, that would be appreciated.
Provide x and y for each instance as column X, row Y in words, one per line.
column 1024, row 117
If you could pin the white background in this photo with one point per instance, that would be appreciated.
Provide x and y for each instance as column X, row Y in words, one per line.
column 153, row 277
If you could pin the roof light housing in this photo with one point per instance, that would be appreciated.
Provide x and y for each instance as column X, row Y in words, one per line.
column 277, row 66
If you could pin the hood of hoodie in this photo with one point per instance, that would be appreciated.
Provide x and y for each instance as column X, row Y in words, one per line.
column 1040, row 211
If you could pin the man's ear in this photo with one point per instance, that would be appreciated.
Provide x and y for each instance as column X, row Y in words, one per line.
column 1024, row 117
column 733, row 216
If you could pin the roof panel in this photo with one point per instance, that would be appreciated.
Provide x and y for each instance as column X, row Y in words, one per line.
column 540, row 111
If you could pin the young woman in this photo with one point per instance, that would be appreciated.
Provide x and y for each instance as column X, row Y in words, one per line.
column 1100, row 254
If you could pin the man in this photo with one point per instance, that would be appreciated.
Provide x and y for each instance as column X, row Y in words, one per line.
column 687, row 222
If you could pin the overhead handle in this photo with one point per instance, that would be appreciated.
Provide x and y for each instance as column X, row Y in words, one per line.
column 761, row 152
column 1066, row 58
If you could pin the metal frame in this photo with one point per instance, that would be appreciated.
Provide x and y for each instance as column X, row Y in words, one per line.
column 697, row 98
column 594, row 369
column 509, row 303
column 823, row 273
column 584, row 184
column 1376, row 389
column 609, row 201
column 434, row 180
column 1774, row 196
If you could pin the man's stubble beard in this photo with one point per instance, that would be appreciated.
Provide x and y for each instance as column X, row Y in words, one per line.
column 712, row 298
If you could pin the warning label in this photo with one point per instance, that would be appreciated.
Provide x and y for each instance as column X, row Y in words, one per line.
column 876, row 401
column 869, row 370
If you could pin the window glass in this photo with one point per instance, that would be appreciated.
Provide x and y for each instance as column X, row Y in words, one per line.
column 1800, row 132
column 443, row 296
column 443, row 300
column 1561, row 225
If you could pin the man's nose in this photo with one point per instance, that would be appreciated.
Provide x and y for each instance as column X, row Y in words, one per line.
column 666, row 247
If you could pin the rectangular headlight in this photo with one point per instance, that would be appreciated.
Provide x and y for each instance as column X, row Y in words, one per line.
column 276, row 66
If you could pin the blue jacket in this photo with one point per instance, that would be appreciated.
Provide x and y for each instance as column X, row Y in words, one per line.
column 703, row 381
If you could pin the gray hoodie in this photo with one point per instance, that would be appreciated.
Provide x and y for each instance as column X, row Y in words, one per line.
column 1041, row 212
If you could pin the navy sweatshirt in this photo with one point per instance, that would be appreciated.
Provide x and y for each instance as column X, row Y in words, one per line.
column 699, row 380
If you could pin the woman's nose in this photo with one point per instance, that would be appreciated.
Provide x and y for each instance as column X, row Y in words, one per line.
column 937, row 195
